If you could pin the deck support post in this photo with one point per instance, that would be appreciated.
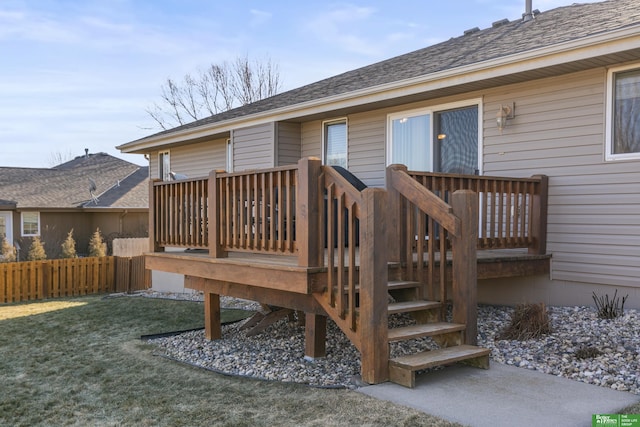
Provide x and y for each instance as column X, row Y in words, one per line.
column 214, row 214
column 315, row 336
column 153, row 206
column 539, row 216
column 212, row 328
column 374, row 272
column 397, row 231
column 465, row 264
column 308, row 234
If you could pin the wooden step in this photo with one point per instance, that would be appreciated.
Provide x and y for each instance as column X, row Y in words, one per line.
column 424, row 330
column 408, row 306
column 402, row 370
column 402, row 284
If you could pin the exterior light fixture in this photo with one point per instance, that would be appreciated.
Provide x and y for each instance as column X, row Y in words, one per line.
column 504, row 113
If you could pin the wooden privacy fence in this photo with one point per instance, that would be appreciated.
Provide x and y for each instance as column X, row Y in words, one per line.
column 36, row 280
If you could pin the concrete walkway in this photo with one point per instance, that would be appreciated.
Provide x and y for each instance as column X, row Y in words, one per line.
column 504, row 396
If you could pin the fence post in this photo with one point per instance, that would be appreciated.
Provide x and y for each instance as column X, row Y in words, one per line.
column 539, row 216
column 308, row 201
column 464, row 265
column 374, row 273
column 46, row 279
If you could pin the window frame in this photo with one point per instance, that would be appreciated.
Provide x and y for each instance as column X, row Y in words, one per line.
column 162, row 174
column 431, row 111
column 609, row 156
column 325, row 124
column 22, row 229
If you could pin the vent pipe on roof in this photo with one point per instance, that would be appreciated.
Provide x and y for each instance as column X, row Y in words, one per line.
column 528, row 14
column 86, row 153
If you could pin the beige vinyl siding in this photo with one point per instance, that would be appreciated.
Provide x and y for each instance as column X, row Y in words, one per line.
column 593, row 221
column 366, row 147
column 312, row 139
column 253, row 147
column 288, row 143
column 194, row 160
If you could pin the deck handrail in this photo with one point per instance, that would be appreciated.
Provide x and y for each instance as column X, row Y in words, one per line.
column 253, row 211
column 423, row 228
column 178, row 214
column 512, row 211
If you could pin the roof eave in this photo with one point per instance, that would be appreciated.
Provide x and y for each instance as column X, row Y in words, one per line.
column 575, row 50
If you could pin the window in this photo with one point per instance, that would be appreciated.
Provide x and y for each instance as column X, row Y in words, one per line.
column 30, row 223
column 623, row 114
column 5, row 227
column 445, row 138
column 164, row 166
column 335, row 143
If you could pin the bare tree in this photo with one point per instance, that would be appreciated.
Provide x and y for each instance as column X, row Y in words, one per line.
column 58, row 157
column 218, row 88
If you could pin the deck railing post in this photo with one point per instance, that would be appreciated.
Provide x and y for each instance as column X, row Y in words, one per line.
column 464, row 265
column 539, row 216
column 397, row 234
column 373, row 286
column 214, row 214
column 153, row 244
column 308, row 204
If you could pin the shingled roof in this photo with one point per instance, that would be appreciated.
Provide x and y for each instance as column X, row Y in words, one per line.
column 503, row 39
column 119, row 184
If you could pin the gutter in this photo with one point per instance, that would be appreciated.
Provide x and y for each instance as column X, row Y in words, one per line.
column 566, row 52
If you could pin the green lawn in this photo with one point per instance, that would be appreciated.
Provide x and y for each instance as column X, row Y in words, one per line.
column 80, row 361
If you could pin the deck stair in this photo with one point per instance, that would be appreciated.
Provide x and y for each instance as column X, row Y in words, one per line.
column 449, row 336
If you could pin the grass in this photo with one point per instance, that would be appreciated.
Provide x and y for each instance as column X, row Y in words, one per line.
column 80, row 362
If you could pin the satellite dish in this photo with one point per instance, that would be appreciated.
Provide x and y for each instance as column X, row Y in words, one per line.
column 177, row 176
column 92, row 189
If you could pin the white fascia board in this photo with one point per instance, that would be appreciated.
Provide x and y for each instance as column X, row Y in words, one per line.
column 574, row 50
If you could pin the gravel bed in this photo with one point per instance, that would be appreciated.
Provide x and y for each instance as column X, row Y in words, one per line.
column 278, row 352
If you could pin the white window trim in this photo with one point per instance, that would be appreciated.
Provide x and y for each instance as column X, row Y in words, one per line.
column 160, row 153
column 608, row 155
column 229, row 155
column 22, row 224
column 8, row 215
column 324, row 137
column 431, row 110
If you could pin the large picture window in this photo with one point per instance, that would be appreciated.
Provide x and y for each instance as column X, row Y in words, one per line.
column 30, row 223
column 444, row 138
column 623, row 114
column 335, row 143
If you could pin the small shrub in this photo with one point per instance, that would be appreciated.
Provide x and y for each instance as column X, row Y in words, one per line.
column 69, row 246
column 36, row 251
column 587, row 353
column 609, row 308
column 97, row 247
column 528, row 321
column 8, row 251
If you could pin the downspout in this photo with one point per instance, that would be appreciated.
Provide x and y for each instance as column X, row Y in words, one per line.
column 121, row 221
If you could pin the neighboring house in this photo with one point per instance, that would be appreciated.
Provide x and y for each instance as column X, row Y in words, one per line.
column 565, row 86
column 88, row 192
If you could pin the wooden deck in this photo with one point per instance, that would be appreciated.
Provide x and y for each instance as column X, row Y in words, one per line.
column 304, row 238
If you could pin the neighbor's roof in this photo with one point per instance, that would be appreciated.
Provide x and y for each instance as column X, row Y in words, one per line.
column 119, row 184
column 503, row 39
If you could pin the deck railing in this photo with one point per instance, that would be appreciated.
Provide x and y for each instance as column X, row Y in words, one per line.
column 179, row 213
column 423, row 228
column 255, row 211
column 512, row 211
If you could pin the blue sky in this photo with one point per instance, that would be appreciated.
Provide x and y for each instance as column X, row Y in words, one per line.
column 80, row 74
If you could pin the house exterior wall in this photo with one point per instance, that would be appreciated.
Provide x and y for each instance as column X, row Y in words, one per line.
column 288, row 148
column 593, row 221
column 253, row 147
column 194, row 160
